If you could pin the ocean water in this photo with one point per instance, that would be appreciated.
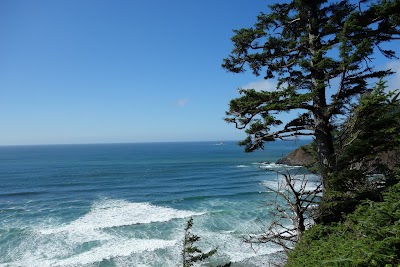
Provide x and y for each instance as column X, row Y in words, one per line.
column 127, row 204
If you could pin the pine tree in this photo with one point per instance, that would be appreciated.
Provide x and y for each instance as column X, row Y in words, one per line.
column 314, row 48
column 372, row 128
column 191, row 253
column 363, row 143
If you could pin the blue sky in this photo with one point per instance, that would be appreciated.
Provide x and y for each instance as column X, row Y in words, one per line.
column 99, row 71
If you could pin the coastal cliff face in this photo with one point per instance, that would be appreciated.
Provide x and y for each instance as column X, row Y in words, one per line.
column 303, row 156
column 298, row 157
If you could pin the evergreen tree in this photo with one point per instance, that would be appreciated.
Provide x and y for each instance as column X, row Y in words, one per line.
column 191, row 254
column 305, row 45
column 371, row 129
column 369, row 134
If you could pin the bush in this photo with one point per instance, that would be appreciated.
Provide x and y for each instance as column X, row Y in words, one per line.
column 368, row 237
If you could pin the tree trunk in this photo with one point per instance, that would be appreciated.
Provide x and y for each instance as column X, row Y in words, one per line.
column 323, row 135
column 301, row 227
column 325, row 150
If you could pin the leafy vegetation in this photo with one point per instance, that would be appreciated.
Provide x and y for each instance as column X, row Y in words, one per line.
column 368, row 237
column 371, row 129
column 320, row 53
column 314, row 49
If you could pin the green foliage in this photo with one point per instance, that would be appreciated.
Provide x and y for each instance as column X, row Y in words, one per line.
column 292, row 42
column 371, row 129
column 191, row 254
column 368, row 237
column 313, row 48
column 305, row 45
column 311, row 150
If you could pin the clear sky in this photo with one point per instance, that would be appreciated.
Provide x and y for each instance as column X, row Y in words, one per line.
column 105, row 71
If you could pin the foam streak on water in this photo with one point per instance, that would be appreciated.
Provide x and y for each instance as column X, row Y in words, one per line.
column 114, row 213
column 57, row 246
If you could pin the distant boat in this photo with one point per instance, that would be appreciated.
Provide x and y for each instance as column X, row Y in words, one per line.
column 219, row 144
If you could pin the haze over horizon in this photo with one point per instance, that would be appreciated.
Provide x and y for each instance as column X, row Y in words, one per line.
column 78, row 72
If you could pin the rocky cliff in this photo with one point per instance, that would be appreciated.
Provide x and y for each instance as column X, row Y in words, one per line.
column 300, row 156
column 303, row 156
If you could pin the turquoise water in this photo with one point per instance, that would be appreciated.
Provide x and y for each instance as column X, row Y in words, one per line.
column 126, row 204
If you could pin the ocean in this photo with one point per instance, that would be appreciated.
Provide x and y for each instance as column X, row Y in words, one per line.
column 127, row 204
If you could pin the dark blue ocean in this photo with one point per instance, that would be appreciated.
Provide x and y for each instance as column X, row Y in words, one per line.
column 127, row 204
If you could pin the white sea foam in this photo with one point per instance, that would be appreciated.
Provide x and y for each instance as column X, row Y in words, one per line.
column 275, row 166
column 91, row 239
column 64, row 245
column 115, row 248
column 115, row 213
column 232, row 247
column 242, row 166
column 279, row 183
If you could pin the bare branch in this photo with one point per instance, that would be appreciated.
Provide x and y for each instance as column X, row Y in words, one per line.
column 297, row 201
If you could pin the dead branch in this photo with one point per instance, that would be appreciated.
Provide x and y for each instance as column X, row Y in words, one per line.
column 295, row 208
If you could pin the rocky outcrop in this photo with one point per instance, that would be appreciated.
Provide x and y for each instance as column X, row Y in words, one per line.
column 302, row 156
column 391, row 159
column 298, row 157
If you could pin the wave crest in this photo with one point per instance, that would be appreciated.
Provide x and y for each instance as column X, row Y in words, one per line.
column 115, row 213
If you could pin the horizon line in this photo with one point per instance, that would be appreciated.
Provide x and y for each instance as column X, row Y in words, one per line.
column 138, row 142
